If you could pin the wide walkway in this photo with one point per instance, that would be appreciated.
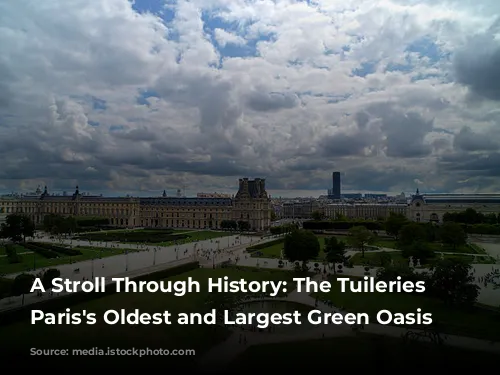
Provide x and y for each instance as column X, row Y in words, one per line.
column 151, row 256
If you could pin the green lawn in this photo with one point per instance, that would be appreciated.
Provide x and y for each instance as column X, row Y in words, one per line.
column 364, row 353
column 199, row 337
column 387, row 243
column 274, row 251
column 19, row 249
column 477, row 322
column 35, row 260
column 436, row 246
column 376, row 259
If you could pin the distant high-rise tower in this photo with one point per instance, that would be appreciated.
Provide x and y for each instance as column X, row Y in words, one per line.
column 336, row 192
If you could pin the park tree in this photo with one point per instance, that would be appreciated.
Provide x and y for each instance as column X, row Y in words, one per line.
column 412, row 232
column 51, row 222
column 453, row 282
column 360, row 237
column 394, row 223
column 5, row 287
column 220, row 302
column 18, row 227
column 22, row 284
column 335, row 251
column 48, row 276
column 229, row 224
column 273, row 216
column 384, row 258
column 452, row 234
column 243, row 226
column 418, row 250
column 493, row 278
column 300, row 246
column 490, row 219
column 317, row 215
column 340, row 217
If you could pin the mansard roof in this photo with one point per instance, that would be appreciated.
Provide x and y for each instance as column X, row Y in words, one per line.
column 182, row 201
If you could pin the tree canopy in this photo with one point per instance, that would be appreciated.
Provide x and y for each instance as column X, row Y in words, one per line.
column 453, row 282
column 452, row 234
column 360, row 237
column 22, row 284
column 394, row 223
column 412, row 232
column 335, row 251
column 58, row 224
column 17, row 228
column 301, row 245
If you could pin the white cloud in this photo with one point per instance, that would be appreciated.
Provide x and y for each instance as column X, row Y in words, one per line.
column 224, row 38
column 292, row 111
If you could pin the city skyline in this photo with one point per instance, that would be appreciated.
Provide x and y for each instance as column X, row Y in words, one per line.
column 138, row 97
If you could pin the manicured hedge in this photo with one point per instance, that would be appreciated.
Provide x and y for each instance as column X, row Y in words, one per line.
column 488, row 229
column 49, row 254
column 91, row 221
column 59, row 303
column 5, row 287
column 342, row 225
column 57, row 249
column 12, row 255
column 251, row 249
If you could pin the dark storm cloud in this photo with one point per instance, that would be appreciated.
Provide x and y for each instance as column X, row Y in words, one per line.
column 339, row 145
column 477, row 65
column 212, row 95
column 380, row 179
column 266, row 102
column 474, row 164
column 406, row 134
column 143, row 134
column 468, row 140
column 362, row 119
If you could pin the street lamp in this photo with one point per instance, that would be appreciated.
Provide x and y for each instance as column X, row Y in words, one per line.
column 126, row 260
column 154, row 256
column 92, row 268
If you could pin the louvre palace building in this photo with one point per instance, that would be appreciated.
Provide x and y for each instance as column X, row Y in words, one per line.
column 250, row 204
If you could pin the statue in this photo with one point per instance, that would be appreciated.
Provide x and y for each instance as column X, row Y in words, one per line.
column 392, row 262
column 410, row 263
column 418, row 263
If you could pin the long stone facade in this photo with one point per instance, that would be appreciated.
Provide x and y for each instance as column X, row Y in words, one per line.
column 251, row 204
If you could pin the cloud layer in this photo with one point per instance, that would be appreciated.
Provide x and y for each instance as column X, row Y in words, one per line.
column 152, row 95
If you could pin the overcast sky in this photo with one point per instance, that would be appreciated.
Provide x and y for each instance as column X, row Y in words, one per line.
column 139, row 97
